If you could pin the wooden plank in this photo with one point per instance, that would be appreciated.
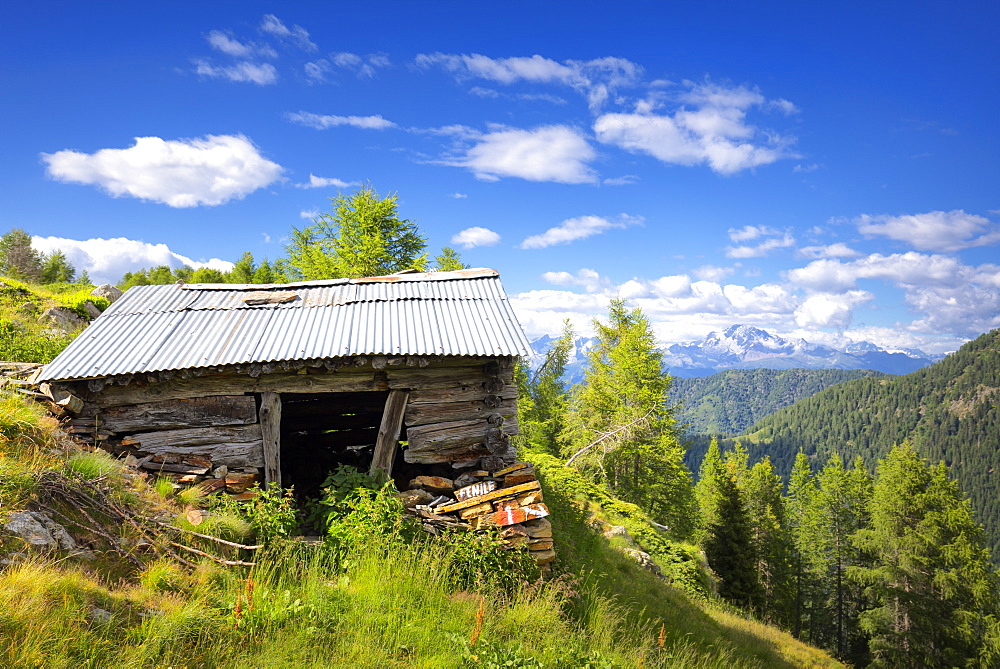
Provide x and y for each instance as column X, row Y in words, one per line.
column 434, row 377
column 347, row 379
column 270, row 431
column 470, row 449
column 231, row 446
column 483, row 509
column 512, row 468
column 420, row 435
column 388, row 432
column 513, row 515
column 464, row 393
column 175, row 414
column 173, row 467
column 424, row 414
column 502, row 493
column 475, row 490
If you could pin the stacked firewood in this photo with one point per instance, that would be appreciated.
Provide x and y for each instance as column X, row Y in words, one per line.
column 508, row 498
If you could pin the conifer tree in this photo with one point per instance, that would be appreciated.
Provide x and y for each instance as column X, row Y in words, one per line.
column 801, row 521
column 448, row 260
column 621, row 428
column 361, row 236
column 56, row 268
column 243, row 270
column 544, row 417
column 729, row 545
column 18, row 259
column 770, row 538
column 931, row 584
column 841, row 510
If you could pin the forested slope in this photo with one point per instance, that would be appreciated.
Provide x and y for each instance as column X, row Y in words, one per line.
column 948, row 411
column 733, row 400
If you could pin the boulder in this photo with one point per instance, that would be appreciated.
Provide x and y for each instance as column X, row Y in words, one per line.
column 613, row 531
column 29, row 308
column 62, row 318
column 107, row 291
column 644, row 561
column 39, row 531
column 91, row 309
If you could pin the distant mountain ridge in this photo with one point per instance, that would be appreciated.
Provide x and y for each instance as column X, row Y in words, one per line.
column 949, row 411
column 731, row 401
column 748, row 347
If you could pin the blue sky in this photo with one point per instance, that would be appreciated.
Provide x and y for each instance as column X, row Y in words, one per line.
column 822, row 172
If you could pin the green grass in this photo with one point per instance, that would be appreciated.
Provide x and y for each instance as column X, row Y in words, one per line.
column 381, row 600
column 22, row 337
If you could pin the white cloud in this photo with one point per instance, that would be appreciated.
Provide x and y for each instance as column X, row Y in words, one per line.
column 933, row 231
column 573, row 229
column 762, row 249
column 912, row 269
column 596, row 79
column 322, row 122
column 827, row 310
column 257, row 73
column 472, row 237
column 178, row 173
column 708, row 127
column 309, row 214
column 459, row 196
column 805, row 169
column 837, row 250
column 361, row 66
column 549, row 153
column 589, row 279
column 221, row 41
column 624, row 180
column 325, row 182
column 748, row 232
column 298, row 35
column 106, row 260
column 712, row 272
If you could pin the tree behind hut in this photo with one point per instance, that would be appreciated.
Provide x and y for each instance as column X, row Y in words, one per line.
column 361, row 236
column 18, row 259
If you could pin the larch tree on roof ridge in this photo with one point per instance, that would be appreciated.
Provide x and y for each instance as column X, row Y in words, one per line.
column 361, row 236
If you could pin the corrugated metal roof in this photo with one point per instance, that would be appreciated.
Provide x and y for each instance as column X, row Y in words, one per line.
column 158, row 328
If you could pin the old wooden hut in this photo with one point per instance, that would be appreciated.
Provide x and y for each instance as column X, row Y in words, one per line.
column 284, row 382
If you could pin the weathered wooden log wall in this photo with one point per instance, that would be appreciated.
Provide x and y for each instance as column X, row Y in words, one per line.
column 456, row 409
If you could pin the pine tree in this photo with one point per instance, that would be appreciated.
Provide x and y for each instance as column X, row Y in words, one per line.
column 545, row 420
column 448, row 260
column 729, row 546
column 841, row 510
column 801, row 520
column 18, row 259
column 56, row 268
column 361, row 236
column 770, row 538
column 621, row 429
column 931, row 583
column 243, row 270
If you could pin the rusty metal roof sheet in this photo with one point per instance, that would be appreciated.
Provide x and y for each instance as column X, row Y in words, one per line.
column 172, row 327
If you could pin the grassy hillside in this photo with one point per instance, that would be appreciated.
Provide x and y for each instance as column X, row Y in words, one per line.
column 375, row 593
column 949, row 411
column 731, row 401
column 23, row 337
column 378, row 595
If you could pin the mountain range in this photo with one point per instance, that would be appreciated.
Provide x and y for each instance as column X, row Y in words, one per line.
column 748, row 347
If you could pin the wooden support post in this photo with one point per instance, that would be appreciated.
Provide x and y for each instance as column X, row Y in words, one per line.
column 270, row 430
column 388, row 432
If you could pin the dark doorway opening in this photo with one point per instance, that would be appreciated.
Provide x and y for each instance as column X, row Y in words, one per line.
column 320, row 431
